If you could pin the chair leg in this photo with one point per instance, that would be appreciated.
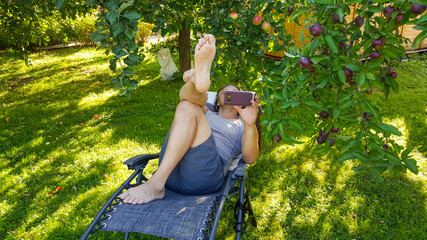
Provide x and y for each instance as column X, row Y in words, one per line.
column 126, row 235
column 239, row 210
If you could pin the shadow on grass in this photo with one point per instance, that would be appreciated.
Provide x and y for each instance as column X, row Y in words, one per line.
column 304, row 195
column 49, row 129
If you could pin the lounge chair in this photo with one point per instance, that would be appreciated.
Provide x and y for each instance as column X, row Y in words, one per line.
column 176, row 216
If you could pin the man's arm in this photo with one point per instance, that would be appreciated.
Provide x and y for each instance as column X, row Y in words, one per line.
column 250, row 150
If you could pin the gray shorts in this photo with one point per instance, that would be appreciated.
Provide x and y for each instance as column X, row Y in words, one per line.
column 200, row 171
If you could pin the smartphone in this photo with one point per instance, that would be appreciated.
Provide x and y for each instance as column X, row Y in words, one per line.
column 239, row 98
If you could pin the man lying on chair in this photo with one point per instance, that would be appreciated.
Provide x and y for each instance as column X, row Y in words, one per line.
column 200, row 142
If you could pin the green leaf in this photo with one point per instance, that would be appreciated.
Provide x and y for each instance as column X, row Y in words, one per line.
column 393, row 160
column 332, row 43
column 285, row 92
column 130, row 33
column 360, row 79
column 289, row 140
column 324, row 1
column 301, row 36
column 374, row 156
column 349, row 103
column 370, row 107
column 314, row 105
column 370, row 76
column 422, row 19
column 411, row 164
column 290, row 104
column 374, row 63
column 128, row 71
column 117, row 28
column 112, row 16
column 353, row 67
column 132, row 15
column 125, row 5
column 58, row 3
column 422, row 2
column 418, row 39
column 406, row 152
column 295, row 125
column 336, row 113
column 347, row 155
column 113, row 63
column 341, row 75
column 318, row 58
column 389, row 128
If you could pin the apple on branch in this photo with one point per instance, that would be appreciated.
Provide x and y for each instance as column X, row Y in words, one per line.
column 257, row 20
column 234, row 15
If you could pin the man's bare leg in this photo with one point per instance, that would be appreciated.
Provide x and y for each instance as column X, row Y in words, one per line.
column 198, row 79
column 189, row 127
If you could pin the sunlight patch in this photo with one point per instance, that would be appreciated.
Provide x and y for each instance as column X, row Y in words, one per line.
column 401, row 125
column 95, row 99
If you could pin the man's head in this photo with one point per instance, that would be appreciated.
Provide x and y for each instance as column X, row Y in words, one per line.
column 219, row 99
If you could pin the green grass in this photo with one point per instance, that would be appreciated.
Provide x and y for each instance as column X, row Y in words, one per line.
column 49, row 139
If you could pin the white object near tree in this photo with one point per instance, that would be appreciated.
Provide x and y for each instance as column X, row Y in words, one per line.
column 168, row 67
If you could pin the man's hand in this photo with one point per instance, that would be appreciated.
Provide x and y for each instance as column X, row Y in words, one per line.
column 249, row 114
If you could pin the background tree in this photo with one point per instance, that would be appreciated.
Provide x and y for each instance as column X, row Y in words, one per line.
column 21, row 21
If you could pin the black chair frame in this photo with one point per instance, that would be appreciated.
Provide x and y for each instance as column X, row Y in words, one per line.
column 233, row 186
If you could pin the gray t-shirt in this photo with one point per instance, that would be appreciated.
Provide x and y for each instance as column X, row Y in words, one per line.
column 228, row 135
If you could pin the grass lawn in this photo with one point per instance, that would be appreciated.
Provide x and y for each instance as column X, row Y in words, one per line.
column 64, row 134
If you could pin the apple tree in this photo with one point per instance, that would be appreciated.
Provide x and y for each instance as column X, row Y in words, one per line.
column 323, row 88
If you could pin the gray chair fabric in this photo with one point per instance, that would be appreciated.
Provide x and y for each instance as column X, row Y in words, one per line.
column 177, row 216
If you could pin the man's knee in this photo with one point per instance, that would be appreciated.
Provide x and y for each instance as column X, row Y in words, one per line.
column 188, row 108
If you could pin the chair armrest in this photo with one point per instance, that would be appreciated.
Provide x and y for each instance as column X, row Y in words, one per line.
column 240, row 170
column 140, row 161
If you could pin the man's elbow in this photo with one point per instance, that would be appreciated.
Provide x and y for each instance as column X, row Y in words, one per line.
column 250, row 159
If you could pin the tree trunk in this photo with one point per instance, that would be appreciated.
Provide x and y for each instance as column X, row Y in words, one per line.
column 184, row 49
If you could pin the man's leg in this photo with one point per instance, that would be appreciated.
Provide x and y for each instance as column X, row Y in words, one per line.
column 189, row 129
column 198, row 79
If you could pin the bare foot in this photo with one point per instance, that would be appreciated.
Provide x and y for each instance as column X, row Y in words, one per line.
column 143, row 193
column 203, row 57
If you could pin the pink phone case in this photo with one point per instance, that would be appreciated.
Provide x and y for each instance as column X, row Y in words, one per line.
column 239, row 98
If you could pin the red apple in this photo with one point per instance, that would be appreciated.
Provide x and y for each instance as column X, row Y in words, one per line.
column 234, row 15
column 393, row 74
column 95, row 116
column 378, row 43
column 336, row 18
column 335, row 130
column 388, row 11
column 305, row 63
column 278, row 137
column 359, row 20
column 257, row 20
column 331, row 141
column 417, row 8
column 324, row 114
column 348, row 74
column 315, row 29
column 375, row 55
column 290, row 10
column 399, row 19
column 266, row 26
